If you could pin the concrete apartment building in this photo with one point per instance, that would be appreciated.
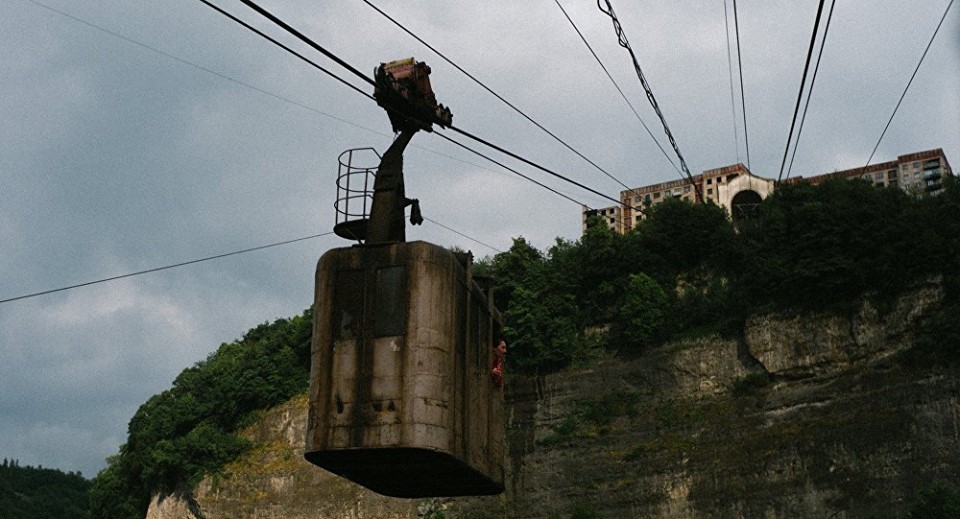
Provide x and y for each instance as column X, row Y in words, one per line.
column 739, row 191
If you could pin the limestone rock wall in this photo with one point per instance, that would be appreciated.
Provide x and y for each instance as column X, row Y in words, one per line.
column 802, row 417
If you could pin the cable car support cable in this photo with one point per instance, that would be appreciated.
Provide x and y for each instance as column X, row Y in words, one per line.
column 498, row 96
column 622, row 40
column 803, row 80
column 624, row 96
column 356, row 72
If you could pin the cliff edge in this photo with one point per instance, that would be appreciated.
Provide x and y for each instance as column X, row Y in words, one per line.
column 802, row 416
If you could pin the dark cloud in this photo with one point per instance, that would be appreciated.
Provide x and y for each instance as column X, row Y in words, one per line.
column 115, row 158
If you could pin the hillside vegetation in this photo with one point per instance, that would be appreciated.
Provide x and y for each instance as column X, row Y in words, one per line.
column 683, row 271
column 687, row 270
column 39, row 493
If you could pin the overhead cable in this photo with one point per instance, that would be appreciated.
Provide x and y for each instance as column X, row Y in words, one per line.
column 167, row 267
column 733, row 104
column 462, row 234
column 816, row 68
column 947, row 10
column 622, row 39
column 288, row 49
column 803, row 80
column 541, row 168
column 356, row 72
column 488, row 89
column 248, row 85
column 624, row 96
column 743, row 102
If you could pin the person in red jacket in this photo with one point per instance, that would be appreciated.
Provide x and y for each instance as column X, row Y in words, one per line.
column 496, row 371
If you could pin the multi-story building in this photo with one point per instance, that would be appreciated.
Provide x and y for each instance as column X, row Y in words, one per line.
column 734, row 188
column 920, row 173
column 739, row 191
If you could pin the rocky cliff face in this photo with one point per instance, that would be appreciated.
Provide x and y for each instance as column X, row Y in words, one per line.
column 803, row 417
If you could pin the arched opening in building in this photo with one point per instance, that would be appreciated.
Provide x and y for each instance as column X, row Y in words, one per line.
column 745, row 204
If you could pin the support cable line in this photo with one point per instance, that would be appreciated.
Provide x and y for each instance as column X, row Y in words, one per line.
column 488, row 89
column 622, row 39
column 167, row 267
column 491, row 247
column 624, row 96
column 283, row 25
column 885, row 128
column 315, row 65
column 803, row 81
column 548, row 188
column 733, row 103
column 743, row 102
column 253, row 87
column 371, row 97
column 221, row 75
column 508, row 168
column 816, row 68
column 541, row 168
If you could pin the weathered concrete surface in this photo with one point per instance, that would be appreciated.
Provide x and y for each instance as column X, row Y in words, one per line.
column 795, row 420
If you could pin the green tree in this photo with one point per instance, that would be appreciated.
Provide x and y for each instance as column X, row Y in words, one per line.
column 643, row 313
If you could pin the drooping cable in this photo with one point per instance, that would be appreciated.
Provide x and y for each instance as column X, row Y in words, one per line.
column 624, row 96
column 541, row 168
column 912, row 76
column 803, row 81
column 733, row 104
column 495, row 94
column 622, row 39
column 521, row 175
column 326, row 52
column 167, row 267
column 245, row 84
column 743, row 102
column 491, row 247
column 813, row 80
column 285, row 26
column 288, row 49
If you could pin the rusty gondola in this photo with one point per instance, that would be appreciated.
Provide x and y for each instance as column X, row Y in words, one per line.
column 401, row 397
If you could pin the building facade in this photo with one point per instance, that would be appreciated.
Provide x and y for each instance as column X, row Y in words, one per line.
column 919, row 173
column 740, row 192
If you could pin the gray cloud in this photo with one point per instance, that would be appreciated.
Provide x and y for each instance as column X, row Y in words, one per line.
column 115, row 158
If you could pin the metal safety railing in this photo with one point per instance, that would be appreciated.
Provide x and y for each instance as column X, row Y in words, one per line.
column 355, row 192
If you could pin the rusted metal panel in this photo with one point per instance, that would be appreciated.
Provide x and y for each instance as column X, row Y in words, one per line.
column 401, row 397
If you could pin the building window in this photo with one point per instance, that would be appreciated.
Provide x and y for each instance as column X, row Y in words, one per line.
column 709, row 181
column 710, row 191
column 656, row 195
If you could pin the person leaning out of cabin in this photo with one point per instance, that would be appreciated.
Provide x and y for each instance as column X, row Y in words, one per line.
column 496, row 371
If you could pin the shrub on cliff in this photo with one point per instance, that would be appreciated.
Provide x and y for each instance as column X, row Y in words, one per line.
column 187, row 431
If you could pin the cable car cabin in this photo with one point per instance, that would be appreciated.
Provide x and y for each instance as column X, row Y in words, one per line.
column 401, row 397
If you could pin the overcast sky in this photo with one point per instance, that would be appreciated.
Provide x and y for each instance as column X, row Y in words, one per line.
column 135, row 135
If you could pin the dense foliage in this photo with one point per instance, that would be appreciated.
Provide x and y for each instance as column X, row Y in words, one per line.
column 685, row 269
column 39, row 493
column 187, row 431
column 688, row 269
